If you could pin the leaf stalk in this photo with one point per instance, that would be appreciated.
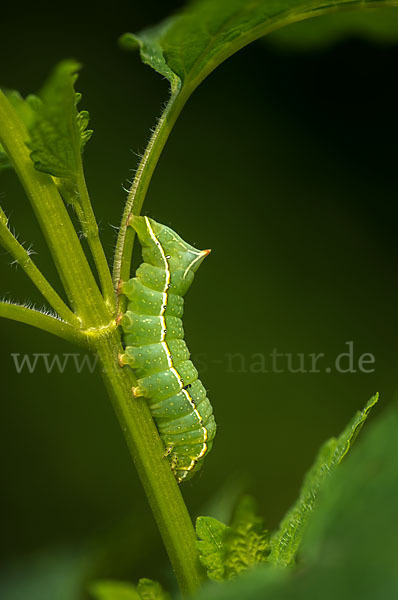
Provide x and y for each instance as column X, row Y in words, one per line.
column 22, row 257
column 43, row 321
column 139, row 187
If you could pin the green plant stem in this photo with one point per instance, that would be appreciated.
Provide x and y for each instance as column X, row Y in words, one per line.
column 22, row 257
column 35, row 318
column 102, row 338
column 69, row 258
column 146, row 448
column 91, row 233
column 154, row 470
column 136, row 196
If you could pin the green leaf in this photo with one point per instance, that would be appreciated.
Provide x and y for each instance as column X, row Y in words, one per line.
column 378, row 25
column 151, row 590
column 59, row 132
column 190, row 45
column 246, row 542
column 119, row 590
column 349, row 550
column 353, row 535
column 211, row 534
column 151, row 50
column 113, row 590
column 229, row 551
column 286, row 541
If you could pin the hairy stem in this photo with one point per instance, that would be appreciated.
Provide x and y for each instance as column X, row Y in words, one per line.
column 68, row 255
column 91, row 233
column 35, row 318
column 22, row 257
column 142, row 437
column 136, row 196
column 154, row 470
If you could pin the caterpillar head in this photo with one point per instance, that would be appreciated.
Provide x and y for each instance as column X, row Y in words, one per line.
column 160, row 244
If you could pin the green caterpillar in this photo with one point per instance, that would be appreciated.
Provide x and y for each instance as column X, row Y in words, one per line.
column 156, row 351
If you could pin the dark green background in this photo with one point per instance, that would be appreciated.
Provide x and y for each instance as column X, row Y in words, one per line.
column 284, row 164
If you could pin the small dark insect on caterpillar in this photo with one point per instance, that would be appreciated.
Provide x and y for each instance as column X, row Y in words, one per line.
column 156, row 351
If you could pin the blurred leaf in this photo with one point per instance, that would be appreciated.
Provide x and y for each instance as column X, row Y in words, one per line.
column 211, row 533
column 350, row 547
column 187, row 47
column 259, row 583
column 352, row 539
column 56, row 574
column 113, row 590
column 151, row 590
column 4, row 162
column 120, row 590
column 59, row 132
column 285, row 542
column 379, row 25
column 222, row 502
column 21, row 106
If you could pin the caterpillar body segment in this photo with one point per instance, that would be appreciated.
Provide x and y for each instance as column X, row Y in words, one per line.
column 155, row 349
